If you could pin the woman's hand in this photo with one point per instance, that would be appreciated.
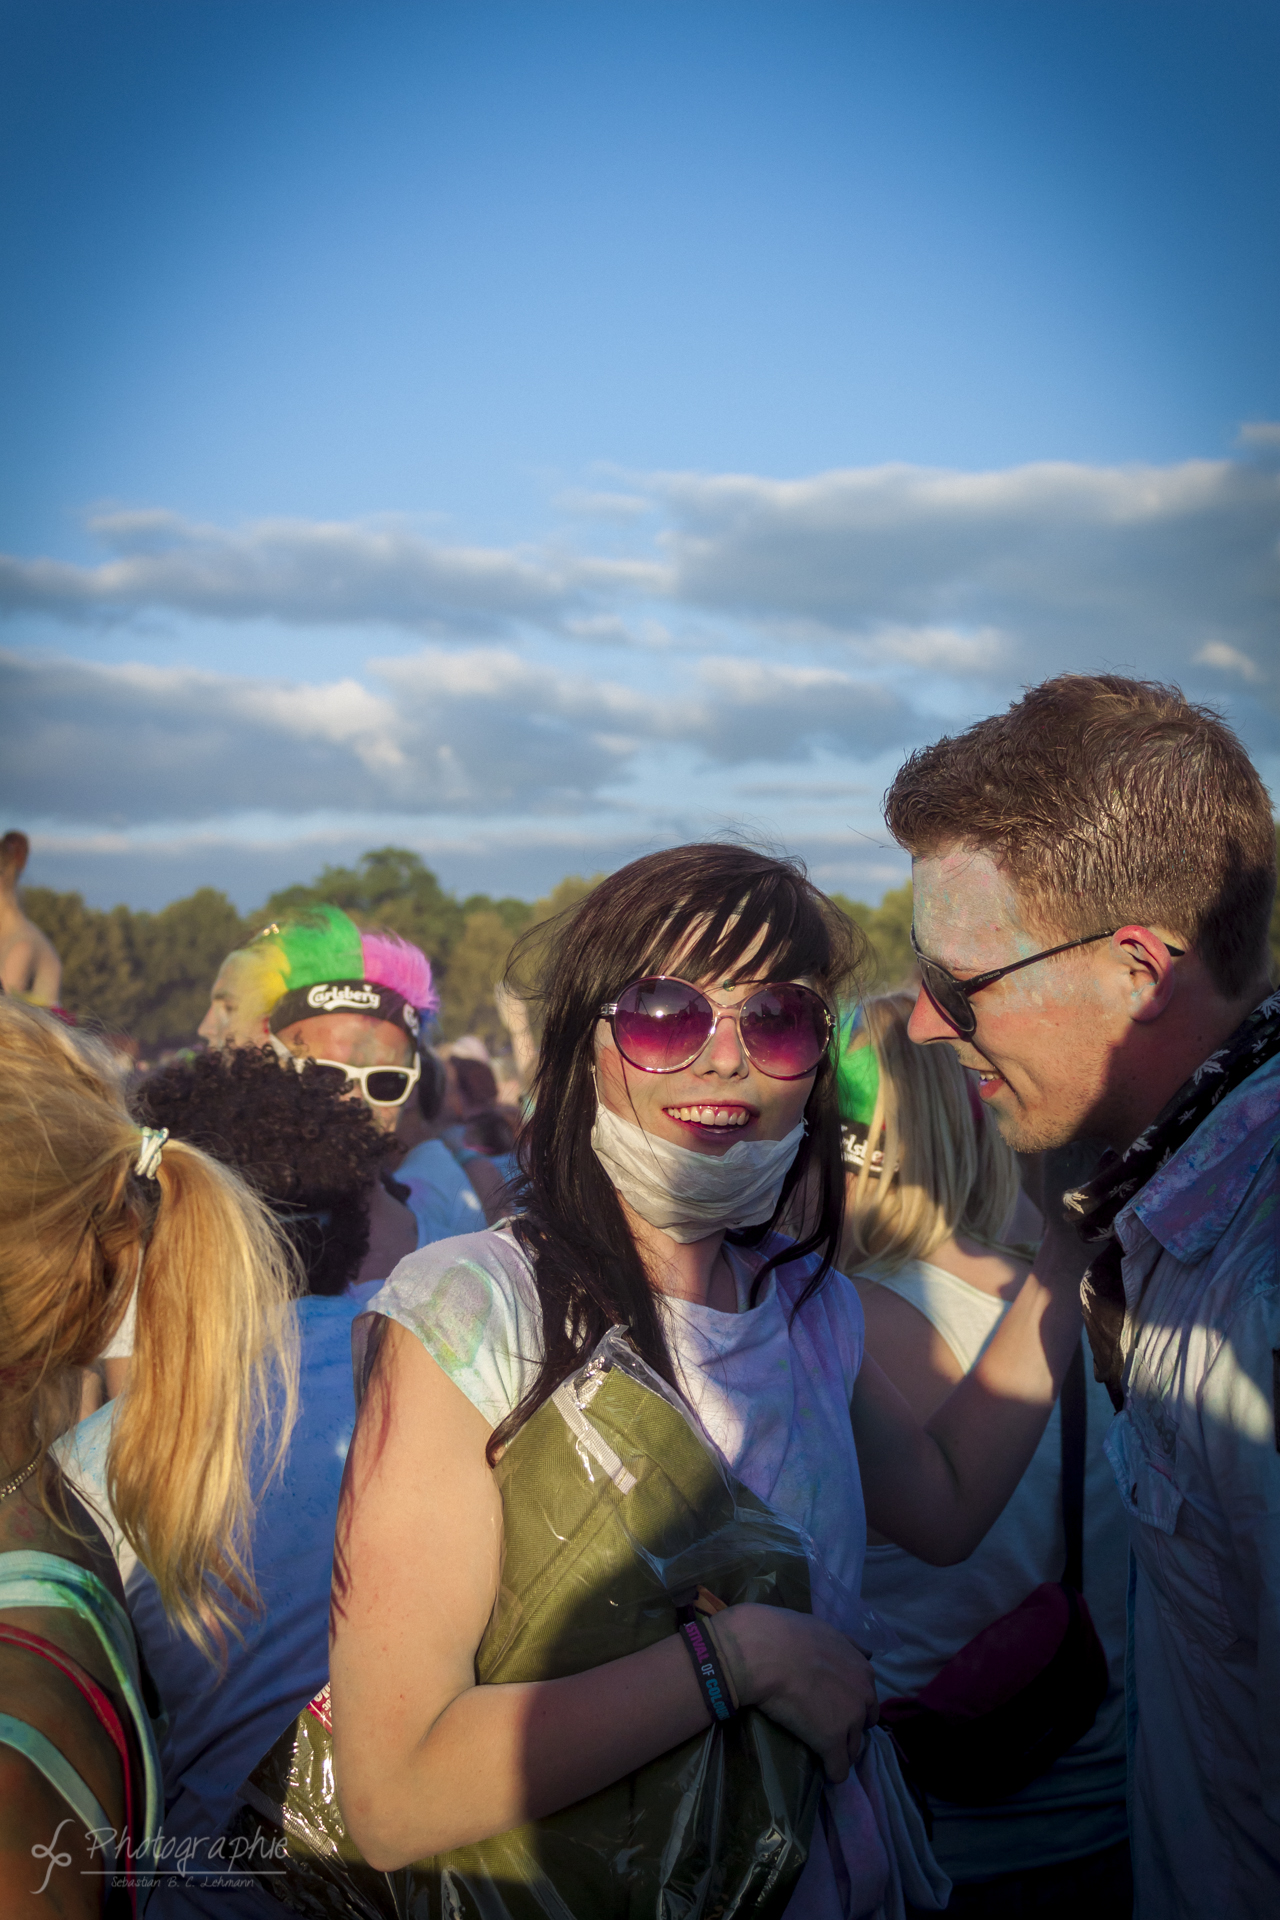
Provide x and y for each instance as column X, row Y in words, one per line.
column 804, row 1674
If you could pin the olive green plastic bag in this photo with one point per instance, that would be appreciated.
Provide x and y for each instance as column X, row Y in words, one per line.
column 615, row 1508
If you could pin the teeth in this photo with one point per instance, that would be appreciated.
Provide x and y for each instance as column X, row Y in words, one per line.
column 712, row 1116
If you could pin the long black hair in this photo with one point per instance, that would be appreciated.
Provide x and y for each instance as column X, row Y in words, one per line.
column 713, row 904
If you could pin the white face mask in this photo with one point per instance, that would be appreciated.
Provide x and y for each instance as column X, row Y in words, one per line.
column 691, row 1195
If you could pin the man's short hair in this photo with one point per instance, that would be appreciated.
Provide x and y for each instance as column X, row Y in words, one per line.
column 1108, row 802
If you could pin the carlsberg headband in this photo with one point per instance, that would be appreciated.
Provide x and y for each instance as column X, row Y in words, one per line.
column 345, row 996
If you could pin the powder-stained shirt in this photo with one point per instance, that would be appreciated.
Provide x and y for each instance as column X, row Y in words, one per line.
column 773, row 1394
column 1196, row 1455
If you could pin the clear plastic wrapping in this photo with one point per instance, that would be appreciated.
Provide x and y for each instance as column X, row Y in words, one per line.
column 616, row 1507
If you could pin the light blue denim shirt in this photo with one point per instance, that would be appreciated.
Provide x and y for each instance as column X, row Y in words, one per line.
column 1196, row 1459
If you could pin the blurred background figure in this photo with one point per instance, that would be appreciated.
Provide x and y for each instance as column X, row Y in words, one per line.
column 513, row 1012
column 319, row 988
column 444, row 1201
column 935, row 1241
column 228, row 1103
column 238, row 1010
column 94, row 1209
column 314, row 1157
column 479, row 1130
column 29, row 966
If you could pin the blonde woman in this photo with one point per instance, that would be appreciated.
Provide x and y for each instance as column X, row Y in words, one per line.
column 933, row 1229
column 91, row 1208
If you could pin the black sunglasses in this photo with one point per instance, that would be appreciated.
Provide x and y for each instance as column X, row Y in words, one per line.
column 951, row 997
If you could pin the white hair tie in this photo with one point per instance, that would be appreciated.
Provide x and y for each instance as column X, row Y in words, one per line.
column 147, row 1164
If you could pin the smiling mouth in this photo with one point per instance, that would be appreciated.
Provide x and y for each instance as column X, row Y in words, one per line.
column 715, row 1119
column 989, row 1082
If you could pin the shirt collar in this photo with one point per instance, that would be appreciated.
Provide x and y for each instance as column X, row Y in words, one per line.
column 1189, row 1203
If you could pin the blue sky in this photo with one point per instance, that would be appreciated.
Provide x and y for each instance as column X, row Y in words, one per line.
column 534, row 433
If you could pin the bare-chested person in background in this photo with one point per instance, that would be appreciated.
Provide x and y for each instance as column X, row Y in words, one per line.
column 29, row 966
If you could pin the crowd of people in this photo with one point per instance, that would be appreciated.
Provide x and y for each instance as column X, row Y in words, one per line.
column 802, row 1451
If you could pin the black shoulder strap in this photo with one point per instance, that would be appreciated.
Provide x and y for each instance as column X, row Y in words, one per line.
column 1074, row 1414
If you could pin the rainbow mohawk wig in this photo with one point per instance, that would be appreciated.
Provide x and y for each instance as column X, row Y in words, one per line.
column 396, row 963
column 320, row 962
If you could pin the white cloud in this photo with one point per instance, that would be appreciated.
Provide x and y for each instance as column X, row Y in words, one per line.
column 1261, row 436
column 973, row 574
column 942, row 649
column 823, row 623
column 481, row 729
column 756, row 711
column 604, row 506
column 1126, row 561
column 311, row 571
column 1229, row 659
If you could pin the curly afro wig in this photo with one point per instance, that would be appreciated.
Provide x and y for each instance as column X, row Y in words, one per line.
column 307, row 1148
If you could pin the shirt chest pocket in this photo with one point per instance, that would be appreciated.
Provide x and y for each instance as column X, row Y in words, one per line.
column 1184, row 1568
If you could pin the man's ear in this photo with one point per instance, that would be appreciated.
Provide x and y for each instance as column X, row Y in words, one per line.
column 1149, row 964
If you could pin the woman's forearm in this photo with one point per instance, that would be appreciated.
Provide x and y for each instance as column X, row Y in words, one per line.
column 939, row 1496
column 500, row 1755
column 989, row 1426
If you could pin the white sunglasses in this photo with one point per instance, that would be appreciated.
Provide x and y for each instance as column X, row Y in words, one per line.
column 381, row 1086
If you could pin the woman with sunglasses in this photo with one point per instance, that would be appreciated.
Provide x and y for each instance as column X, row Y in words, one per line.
column 685, row 1089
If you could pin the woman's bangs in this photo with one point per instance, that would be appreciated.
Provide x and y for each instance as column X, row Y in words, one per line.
column 770, row 929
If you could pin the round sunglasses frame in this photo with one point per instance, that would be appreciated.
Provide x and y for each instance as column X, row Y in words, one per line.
column 611, row 1008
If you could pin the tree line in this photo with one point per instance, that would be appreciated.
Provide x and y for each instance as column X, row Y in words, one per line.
column 148, row 975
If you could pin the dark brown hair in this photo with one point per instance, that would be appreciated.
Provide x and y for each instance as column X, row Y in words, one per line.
column 711, row 903
column 1108, row 802
column 14, row 851
column 475, row 1081
column 308, row 1149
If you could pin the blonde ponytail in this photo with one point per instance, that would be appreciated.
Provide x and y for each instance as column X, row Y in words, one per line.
column 213, row 1387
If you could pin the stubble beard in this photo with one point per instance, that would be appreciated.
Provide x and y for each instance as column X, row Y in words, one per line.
column 1039, row 1133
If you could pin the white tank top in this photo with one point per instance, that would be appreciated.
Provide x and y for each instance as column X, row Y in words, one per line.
column 937, row 1609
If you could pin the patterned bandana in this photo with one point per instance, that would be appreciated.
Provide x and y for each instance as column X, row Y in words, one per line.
column 1120, row 1176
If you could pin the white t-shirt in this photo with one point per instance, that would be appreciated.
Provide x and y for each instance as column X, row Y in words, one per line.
column 121, row 1344
column 772, row 1393
column 1078, row 1805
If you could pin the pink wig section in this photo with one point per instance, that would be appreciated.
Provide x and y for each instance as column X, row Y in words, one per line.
column 392, row 962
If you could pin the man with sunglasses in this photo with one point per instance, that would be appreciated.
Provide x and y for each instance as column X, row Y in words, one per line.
column 354, row 1030
column 1094, row 873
